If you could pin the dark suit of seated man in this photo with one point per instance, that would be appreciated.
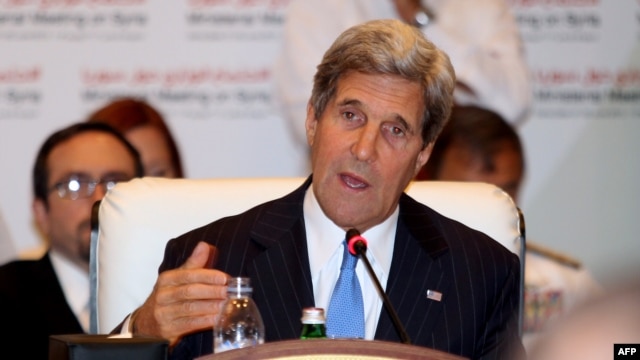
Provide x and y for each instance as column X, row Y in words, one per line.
column 381, row 95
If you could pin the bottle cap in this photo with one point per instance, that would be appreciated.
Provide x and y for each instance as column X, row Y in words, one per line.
column 312, row 315
column 239, row 284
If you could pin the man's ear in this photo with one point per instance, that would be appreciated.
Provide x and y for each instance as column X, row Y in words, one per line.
column 41, row 214
column 423, row 156
column 310, row 124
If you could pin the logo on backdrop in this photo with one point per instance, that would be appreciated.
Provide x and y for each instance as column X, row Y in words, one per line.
column 20, row 91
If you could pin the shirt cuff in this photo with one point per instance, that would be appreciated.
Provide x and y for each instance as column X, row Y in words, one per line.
column 126, row 326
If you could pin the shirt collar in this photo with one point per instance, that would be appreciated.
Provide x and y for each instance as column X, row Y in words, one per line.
column 324, row 237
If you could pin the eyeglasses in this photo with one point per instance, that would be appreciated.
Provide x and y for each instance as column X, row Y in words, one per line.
column 81, row 187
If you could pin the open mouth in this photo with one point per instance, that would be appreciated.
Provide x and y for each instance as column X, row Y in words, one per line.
column 353, row 182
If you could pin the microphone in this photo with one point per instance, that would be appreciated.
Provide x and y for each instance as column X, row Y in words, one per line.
column 358, row 247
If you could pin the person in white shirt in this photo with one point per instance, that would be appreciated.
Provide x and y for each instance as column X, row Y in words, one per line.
column 479, row 145
column 74, row 168
column 480, row 37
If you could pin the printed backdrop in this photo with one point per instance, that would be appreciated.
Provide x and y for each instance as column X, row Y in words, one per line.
column 206, row 65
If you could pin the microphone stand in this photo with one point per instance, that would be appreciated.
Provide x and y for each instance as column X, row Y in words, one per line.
column 361, row 249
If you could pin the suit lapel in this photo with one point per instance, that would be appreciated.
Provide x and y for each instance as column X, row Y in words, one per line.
column 282, row 269
column 415, row 269
column 55, row 309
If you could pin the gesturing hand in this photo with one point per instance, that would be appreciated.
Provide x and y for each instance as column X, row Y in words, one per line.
column 183, row 300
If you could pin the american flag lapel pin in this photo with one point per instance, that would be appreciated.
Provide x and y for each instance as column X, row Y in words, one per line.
column 434, row 295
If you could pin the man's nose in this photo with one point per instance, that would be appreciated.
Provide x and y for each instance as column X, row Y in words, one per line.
column 364, row 148
column 99, row 192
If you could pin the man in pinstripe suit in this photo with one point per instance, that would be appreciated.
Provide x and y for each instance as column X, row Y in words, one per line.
column 381, row 95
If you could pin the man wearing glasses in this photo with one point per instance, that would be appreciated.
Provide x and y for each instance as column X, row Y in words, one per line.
column 74, row 168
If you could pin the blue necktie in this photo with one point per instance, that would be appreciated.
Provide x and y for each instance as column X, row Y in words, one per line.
column 345, row 316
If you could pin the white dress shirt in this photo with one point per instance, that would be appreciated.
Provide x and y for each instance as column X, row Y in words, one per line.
column 324, row 242
column 75, row 286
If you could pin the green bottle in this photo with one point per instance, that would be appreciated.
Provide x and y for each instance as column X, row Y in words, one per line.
column 313, row 323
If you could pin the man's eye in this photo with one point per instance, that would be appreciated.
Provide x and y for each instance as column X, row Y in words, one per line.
column 352, row 119
column 110, row 184
column 348, row 115
column 74, row 185
column 397, row 131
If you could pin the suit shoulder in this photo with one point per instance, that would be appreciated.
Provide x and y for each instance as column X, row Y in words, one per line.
column 462, row 243
column 221, row 233
column 20, row 268
column 24, row 276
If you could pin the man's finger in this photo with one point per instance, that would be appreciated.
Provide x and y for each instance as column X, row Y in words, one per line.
column 213, row 257
column 199, row 257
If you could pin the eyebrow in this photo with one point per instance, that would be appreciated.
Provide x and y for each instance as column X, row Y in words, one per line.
column 348, row 101
column 84, row 175
column 70, row 174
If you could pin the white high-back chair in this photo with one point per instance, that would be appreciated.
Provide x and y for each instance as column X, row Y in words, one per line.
column 133, row 222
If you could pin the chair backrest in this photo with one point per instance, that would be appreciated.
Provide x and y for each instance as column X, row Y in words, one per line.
column 135, row 220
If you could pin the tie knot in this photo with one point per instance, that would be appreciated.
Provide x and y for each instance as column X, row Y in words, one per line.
column 348, row 261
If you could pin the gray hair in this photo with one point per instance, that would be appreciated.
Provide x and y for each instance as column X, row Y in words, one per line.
column 390, row 47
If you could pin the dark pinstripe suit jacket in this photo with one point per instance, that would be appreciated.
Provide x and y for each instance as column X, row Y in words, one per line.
column 32, row 307
column 479, row 279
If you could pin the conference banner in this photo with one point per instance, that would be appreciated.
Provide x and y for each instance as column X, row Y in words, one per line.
column 207, row 66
